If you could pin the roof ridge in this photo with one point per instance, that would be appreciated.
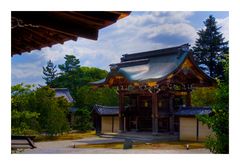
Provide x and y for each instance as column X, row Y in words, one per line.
column 129, row 63
column 152, row 53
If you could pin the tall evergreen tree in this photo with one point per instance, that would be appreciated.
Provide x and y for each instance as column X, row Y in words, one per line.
column 210, row 48
column 71, row 64
column 50, row 73
column 69, row 73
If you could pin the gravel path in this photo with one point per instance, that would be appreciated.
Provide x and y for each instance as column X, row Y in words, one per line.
column 66, row 147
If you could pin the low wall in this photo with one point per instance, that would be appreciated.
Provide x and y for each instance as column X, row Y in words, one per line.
column 193, row 130
column 110, row 124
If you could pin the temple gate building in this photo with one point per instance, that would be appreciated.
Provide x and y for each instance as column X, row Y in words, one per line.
column 153, row 86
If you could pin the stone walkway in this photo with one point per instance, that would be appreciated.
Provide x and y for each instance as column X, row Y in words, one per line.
column 66, row 147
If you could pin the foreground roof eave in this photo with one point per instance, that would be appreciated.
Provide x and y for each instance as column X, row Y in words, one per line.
column 34, row 30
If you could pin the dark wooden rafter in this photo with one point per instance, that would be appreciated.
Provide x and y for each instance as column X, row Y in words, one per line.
column 91, row 19
column 56, row 23
column 57, row 27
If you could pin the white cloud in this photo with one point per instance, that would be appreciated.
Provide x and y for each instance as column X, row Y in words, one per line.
column 27, row 73
column 179, row 29
column 224, row 23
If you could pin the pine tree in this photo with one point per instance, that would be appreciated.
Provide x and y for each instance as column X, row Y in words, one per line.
column 70, row 64
column 210, row 48
column 50, row 73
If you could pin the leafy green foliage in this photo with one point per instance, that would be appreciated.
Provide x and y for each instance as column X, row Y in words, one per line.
column 88, row 97
column 49, row 73
column 71, row 64
column 38, row 111
column 53, row 111
column 77, row 79
column 82, row 120
column 219, row 121
column 210, row 48
column 24, row 122
column 203, row 96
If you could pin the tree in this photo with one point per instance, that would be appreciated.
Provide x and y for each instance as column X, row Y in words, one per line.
column 210, row 48
column 38, row 111
column 69, row 76
column 50, row 73
column 219, row 121
column 78, row 77
column 23, row 120
column 53, row 111
column 71, row 64
column 82, row 120
column 203, row 96
column 88, row 97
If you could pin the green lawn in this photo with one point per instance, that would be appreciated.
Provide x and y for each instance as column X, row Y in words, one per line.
column 160, row 145
column 67, row 136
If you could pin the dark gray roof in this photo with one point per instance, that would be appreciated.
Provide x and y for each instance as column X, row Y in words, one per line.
column 65, row 93
column 106, row 110
column 154, row 53
column 192, row 111
column 150, row 66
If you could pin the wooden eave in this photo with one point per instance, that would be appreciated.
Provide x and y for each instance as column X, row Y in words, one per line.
column 37, row 29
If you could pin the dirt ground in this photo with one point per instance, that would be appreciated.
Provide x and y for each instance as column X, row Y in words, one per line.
column 68, row 147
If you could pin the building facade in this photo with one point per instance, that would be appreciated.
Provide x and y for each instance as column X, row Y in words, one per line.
column 152, row 86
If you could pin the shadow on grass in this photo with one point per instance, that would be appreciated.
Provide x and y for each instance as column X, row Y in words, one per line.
column 155, row 145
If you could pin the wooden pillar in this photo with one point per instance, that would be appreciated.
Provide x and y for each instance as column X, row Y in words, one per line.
column 197, row 130
column 171, row 118
column 154, row 113
column 188, row 99
column 124, row 124
column 121, row 110
column 112, row 123
column 137, row 113
column 136, row 123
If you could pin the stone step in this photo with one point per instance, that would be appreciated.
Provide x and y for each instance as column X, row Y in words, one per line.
column 141, row 137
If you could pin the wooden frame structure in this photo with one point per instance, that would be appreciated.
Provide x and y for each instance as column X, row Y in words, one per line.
column 152, row 86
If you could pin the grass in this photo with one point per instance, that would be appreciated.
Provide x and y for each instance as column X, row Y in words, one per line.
column 67, row 136
column 114, row 145
column 160, row 145
column 169, row 145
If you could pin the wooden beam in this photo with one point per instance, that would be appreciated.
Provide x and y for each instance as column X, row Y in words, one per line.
column 50, row 20
column 121, row 110
column 112, row 123
column 188, row 99
column 154, row 113
column 37, row 38
column 40, row 36
column 171, row 118
column 66, row 34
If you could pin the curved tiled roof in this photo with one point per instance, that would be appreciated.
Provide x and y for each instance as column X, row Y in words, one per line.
column 106, row 110
column 154, row 65
column 192, row 111
column 63, row 92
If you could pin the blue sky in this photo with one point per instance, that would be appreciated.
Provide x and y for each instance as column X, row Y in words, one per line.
column 141, row 31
